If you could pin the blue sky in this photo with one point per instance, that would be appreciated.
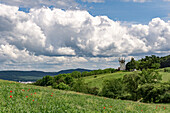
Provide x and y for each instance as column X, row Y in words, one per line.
column 51, row 35
column 129, row 11
column 118, row 10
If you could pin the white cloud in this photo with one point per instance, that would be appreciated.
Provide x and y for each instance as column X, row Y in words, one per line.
column 68, row 4
column 140, row 1
column 95, row 1
column 55, row 37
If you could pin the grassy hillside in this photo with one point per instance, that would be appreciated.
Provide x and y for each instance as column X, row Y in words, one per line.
column 165, row 75
column 18, row 98
column 97, row 80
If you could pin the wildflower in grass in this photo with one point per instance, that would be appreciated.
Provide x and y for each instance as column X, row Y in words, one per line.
column 23, row 90
column 10, row 96
column 141, row 110
column 32, row 100
column 35, row 93
column 11, row 91
column 164, row 107
column 51, row 95
column 104, row 107
column 110, row 106
column 26, row 96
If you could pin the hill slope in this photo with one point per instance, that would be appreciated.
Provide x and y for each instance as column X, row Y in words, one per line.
column 16, row 97
column 32, row 75
column 97, row 80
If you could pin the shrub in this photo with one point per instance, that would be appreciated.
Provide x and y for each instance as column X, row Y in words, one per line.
column 113, row 88
column 154, row 92
column 93, row 90
column 167, row 70
column 80, row 86
column 61, row 85
column 45, row 81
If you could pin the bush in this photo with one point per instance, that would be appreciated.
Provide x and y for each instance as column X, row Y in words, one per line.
column 45, row 81
column 157, row 93
column 167, row 70
column 93, row 90
column 113, row 88
column 61, row 85
column 80, row 86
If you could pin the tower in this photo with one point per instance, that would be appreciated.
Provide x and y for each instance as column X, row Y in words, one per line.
column 122, row 63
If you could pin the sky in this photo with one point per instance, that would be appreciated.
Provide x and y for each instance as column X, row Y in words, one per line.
column 53, row 35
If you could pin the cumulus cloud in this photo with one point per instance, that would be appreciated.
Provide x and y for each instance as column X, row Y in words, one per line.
column 67, row 4
column 55, row 37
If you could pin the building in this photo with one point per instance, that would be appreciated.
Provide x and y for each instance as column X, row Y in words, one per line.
column 122, row 63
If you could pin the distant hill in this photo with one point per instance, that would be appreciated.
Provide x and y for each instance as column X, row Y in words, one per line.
column 32, row 75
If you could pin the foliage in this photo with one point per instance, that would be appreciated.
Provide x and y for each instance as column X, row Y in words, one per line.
column 167, row 70
column 93, row 90
column 165, row 61
column 132, row 65
column 76, row 74
column 80, row 86
column 131, row 82
column 151, row 62
column 154, row 93
column 150, row 76
column 61, row 85
column 145, row 86
column 112, row 88
column 45, row 81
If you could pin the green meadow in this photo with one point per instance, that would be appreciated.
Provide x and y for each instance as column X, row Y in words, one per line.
column 98, row 80
column 21, row 98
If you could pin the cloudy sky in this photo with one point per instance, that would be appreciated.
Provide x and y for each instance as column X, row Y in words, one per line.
column 51, row 35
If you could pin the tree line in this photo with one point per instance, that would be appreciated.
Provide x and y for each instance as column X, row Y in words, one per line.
column 149, row 62
column 73, row 81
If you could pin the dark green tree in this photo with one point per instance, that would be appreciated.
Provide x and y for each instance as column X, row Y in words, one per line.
column 113, row 88
column 131, row 65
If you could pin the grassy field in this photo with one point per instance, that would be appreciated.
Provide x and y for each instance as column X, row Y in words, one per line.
column 98, row 81
column 21, row 98
column 165, row 75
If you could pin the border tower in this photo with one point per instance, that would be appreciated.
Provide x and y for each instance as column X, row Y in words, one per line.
column 122, row 63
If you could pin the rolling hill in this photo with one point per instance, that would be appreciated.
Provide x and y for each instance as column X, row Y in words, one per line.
column 32, row 75
column 98, row 80
column 17, row 97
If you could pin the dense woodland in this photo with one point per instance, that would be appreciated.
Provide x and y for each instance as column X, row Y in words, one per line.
column 145, row 85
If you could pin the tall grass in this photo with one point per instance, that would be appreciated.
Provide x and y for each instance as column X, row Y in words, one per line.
column 21, row 98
